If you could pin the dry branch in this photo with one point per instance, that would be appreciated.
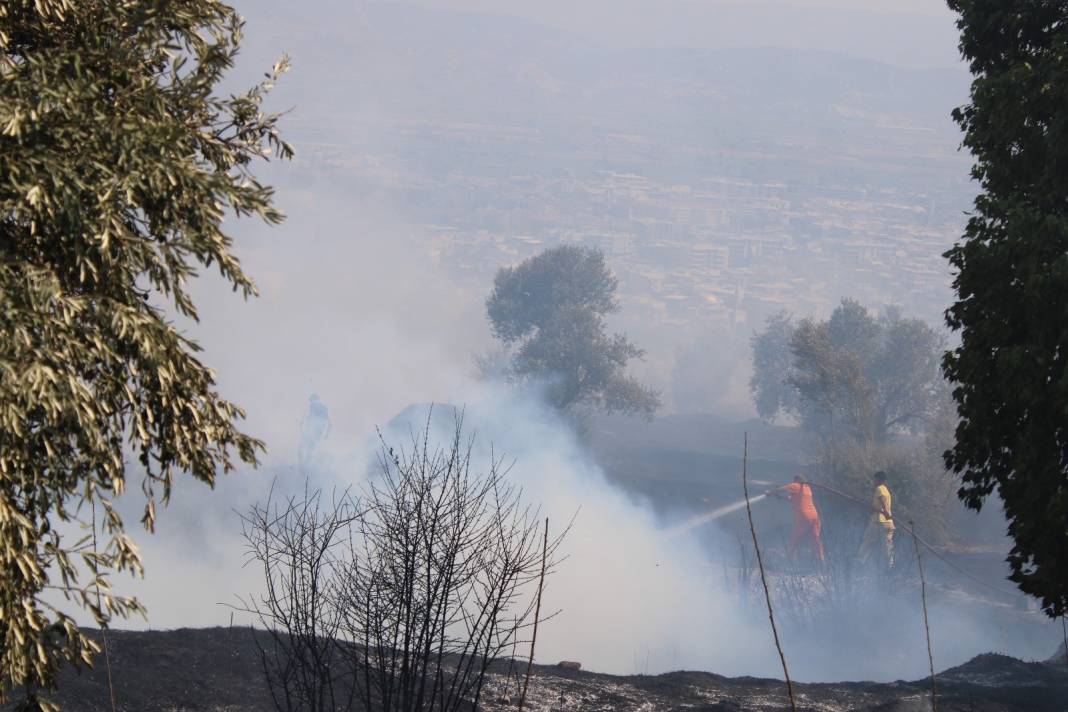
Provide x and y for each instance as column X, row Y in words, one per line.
column 537, row 614
column 763, row 577
column 926, row 624
column 406, row 594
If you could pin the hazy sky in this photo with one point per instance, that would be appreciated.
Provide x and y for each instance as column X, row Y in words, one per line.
column 908, row 32
column 561, row 10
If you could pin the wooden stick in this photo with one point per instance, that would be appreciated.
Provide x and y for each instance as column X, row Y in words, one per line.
column 926, row 624
column 763, row 578
column 537, row 614
column 103, row 630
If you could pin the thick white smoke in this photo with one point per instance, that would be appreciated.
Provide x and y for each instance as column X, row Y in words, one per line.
column 633, row 595
column 630, row 599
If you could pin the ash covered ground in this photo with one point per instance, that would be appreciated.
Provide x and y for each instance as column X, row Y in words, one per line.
column 218, row 669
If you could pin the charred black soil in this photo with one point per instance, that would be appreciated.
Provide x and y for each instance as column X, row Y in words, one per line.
column 218, row 669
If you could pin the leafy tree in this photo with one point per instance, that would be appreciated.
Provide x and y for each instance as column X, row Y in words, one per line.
column 856, row 382
column 922, row 487
column 550, row 309
column 1010, row 371
column 854, row 375
column 117, row 162
column 772, row 362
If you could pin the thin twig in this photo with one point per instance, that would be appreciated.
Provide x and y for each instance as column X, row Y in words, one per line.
column 926, row 624
column 537, row 614
column 103, row 632
column 763, row 578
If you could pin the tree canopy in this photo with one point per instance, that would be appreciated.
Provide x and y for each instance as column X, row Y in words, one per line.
column 550, row 310
column 859, row 383
column 1010, row 371
column 772, row 364
column 117, row 163
column 855, row 374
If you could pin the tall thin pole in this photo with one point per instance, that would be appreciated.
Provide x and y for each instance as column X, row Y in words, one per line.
column 926, row 624
column 537, row 615
column 103, row 630
column 763, row 578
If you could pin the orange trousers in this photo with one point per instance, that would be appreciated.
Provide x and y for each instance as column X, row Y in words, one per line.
column 806, row 529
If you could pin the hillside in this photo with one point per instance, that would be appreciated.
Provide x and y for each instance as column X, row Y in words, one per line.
column 218, row 669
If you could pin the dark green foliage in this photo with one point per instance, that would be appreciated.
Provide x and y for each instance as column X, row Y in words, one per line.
column 117, row 163
column 537, row 290
column 1010, row 372
column 551, row 310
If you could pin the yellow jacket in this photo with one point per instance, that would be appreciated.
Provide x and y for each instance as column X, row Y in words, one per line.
column 881, row 502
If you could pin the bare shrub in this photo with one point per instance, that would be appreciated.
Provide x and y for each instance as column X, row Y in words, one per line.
column 400, row 598
column 300, row 545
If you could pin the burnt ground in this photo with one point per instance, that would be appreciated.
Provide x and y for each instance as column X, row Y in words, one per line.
column 218, row 669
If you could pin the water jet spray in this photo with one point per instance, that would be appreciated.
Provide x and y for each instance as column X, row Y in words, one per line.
column 702, row 519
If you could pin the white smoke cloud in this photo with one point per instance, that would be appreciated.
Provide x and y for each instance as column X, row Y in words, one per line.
column 630, row 600
column 633, row 594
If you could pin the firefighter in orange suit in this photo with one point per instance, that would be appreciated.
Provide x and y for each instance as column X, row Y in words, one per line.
column 806, row 518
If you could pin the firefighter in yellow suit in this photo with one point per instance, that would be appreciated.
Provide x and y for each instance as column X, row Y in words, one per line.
column 881, row 526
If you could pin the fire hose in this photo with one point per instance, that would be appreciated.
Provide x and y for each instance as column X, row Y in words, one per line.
column 912, row 532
